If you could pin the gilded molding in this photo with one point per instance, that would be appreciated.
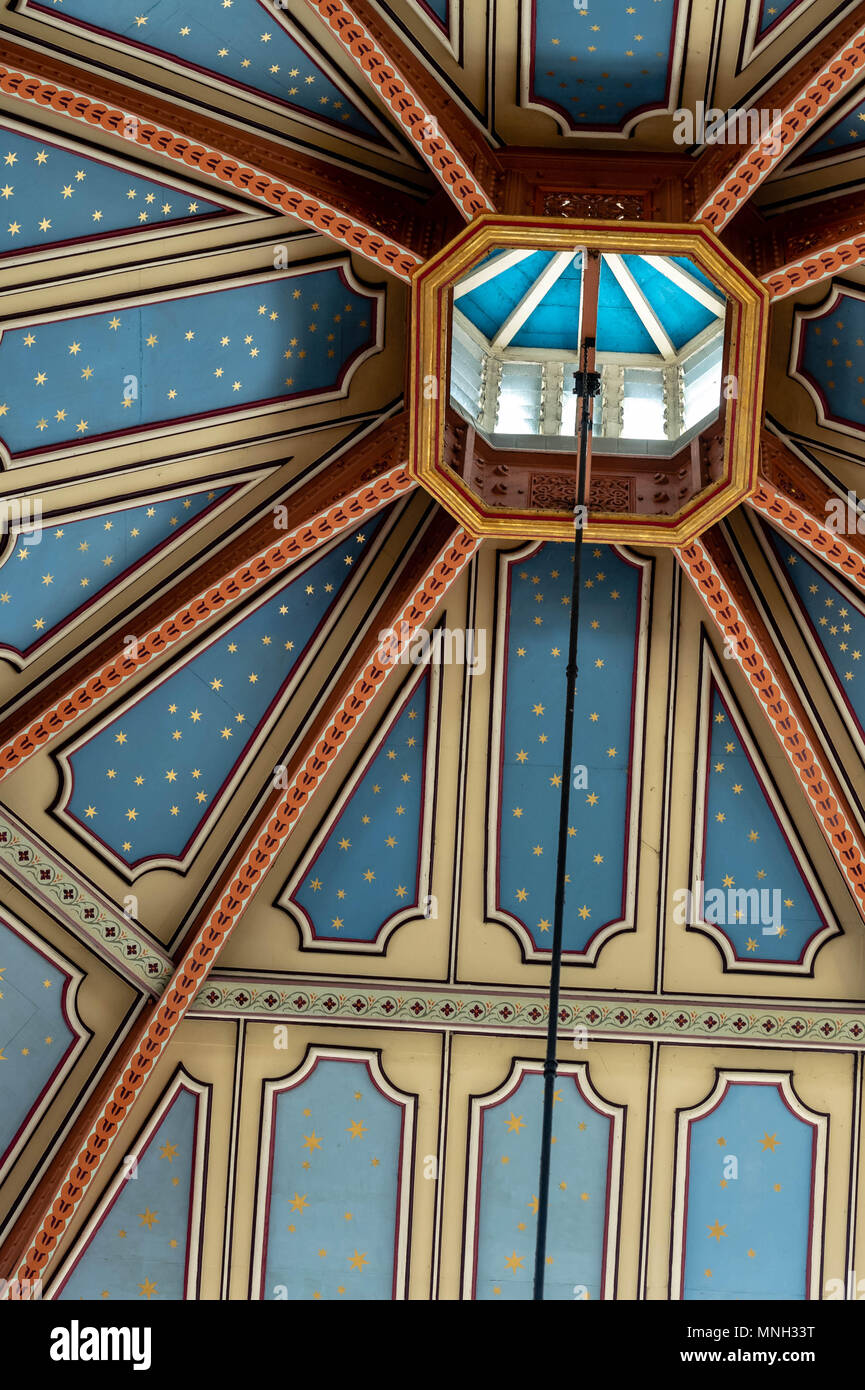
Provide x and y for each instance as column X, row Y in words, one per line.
column 431, row 287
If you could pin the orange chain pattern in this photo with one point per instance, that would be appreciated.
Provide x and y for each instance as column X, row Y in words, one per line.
column 321, row 216
column 457, row 178
column 202, row 955
column 840, row 835
column 759, row 161
column 310, row 534
column 819, row 265
column 804, row 526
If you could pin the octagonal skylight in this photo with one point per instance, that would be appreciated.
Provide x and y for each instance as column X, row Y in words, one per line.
column 659, row 349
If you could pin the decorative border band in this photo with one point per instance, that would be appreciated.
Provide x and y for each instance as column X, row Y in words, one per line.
column 805, row 528
column 761, row 158
column 44, row 877
column 314, row 213
column 455, row 174
column 474, row 1009
column 811, row 269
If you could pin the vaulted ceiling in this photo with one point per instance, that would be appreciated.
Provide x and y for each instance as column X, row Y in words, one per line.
column 221, row 800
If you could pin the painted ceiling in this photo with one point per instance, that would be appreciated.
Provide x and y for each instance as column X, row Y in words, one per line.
column 277, row 884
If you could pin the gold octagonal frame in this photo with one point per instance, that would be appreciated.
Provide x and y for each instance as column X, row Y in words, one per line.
column 432, row 285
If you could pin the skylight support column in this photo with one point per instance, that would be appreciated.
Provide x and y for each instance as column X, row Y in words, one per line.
column 589, row 288
column 490, row 399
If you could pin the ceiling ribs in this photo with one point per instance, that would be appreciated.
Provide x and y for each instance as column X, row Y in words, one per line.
column 797, row 501
column 343, row 206
column 438, row 560
column 710, row 566
column 494, row 267
column 641, row 306
column 724, row 178
column 680, row 277
column 450, row 144
column 820, row 264
column 83, row 910
column 532, row 297
column 325, row 509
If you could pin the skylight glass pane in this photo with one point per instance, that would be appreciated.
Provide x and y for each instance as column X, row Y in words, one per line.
column 466, row 374
column 519, row 410
column 702, row 381
column 643, row 405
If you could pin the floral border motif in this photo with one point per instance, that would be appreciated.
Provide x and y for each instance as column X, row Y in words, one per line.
column 114, row 937
column 467, row 1010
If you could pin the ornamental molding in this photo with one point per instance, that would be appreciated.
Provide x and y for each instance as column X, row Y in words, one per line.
column 524, row 1011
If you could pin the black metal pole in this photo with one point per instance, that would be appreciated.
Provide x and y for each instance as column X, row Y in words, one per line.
column 550, row 1062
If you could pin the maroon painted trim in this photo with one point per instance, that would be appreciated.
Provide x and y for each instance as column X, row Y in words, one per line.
column 381, row 739
column 576, row 956
column 301, row 1081
column 118, row 579
column 55, row 1292
column 653, row 106
column 249, row 750
column 169, row 424
column 693, row 926
column 800, row 1120
column 536, row 1069
column 85, row 1035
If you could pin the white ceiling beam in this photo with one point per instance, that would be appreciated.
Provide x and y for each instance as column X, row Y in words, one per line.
column 641, row 307
column 689, row 283
column 532, row 297
column 489, row 271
